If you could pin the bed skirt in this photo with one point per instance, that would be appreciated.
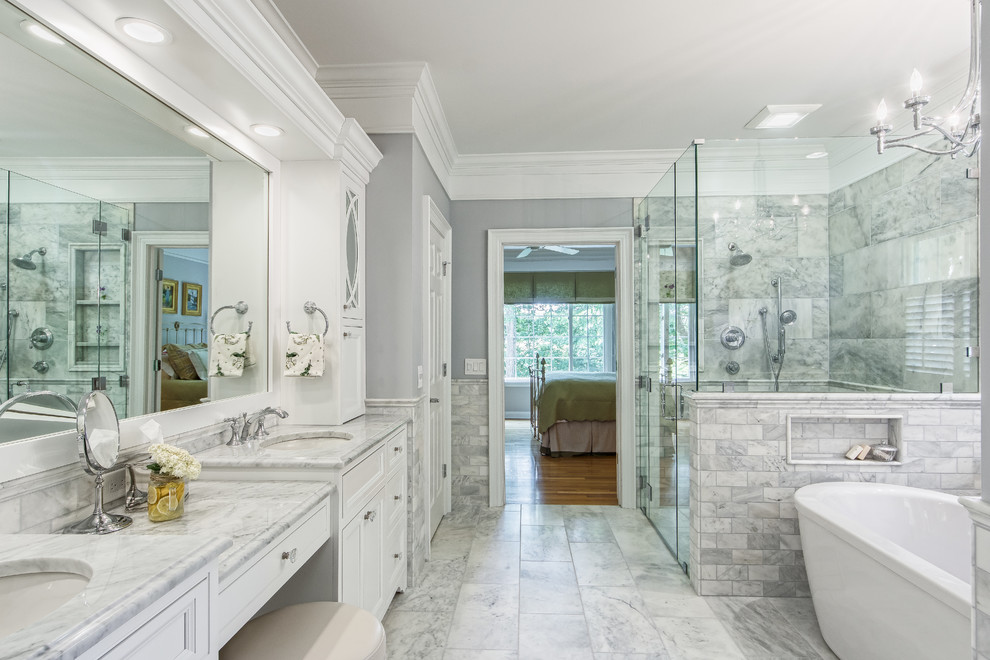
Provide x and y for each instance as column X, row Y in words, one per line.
column 580, row 437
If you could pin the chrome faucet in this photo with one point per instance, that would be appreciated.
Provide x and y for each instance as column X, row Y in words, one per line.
column 248, row 428
column 259, row 417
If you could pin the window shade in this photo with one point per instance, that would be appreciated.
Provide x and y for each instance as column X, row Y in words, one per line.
column 556, row 287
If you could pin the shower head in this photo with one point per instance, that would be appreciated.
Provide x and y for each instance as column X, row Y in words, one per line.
column 25, row 261
column 739, row 257
column 788, row 317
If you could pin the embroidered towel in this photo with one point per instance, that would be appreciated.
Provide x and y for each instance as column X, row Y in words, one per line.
column 227, row 353
column 304, row 356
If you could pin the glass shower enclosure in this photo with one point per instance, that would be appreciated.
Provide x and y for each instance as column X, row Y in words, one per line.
column 813, row 265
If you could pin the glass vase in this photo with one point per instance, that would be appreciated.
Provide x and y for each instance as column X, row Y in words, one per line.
column 166, row 496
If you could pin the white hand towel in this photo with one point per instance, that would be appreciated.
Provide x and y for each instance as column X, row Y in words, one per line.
column 250, row 357
column 227, row 353
column 304, row 356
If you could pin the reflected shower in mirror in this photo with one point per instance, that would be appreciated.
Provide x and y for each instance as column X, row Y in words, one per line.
column 121, row 232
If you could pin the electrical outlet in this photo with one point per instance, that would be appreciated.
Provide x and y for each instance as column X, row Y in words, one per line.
column 114, row 485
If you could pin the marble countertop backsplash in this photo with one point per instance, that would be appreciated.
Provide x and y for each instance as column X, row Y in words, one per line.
column 350, row 441
column 129, row 573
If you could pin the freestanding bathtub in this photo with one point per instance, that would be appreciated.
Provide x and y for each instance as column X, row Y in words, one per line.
column 889, row 569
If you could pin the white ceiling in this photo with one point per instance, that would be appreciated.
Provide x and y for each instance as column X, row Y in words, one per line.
column 580, row 75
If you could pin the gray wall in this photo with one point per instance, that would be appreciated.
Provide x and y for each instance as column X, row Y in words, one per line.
column 471, row 221
column 394, row 217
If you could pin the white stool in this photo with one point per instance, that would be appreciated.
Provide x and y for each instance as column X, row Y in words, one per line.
column 309, row 631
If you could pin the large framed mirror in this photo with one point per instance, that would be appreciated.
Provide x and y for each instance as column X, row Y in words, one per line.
column 128, row 235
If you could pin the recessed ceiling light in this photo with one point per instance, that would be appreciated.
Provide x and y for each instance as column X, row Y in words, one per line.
column 267, row 130
column 144, row 31
column 817, row 154
column 41, row 32
column 781, row 116
column 197, row 131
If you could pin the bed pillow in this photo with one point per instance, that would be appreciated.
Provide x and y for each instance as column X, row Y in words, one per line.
column 179, row 359
column 199, row 358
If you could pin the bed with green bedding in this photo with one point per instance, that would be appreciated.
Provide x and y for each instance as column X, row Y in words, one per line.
column 575, row 412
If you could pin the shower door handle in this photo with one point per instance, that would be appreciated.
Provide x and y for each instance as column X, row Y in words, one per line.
column 675, row 410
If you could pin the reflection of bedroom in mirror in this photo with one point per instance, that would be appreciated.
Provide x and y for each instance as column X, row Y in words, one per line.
column 182, row 346
column 560, row 364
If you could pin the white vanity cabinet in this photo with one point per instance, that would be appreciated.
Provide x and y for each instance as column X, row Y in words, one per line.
column 178, row 626
column 371, row 559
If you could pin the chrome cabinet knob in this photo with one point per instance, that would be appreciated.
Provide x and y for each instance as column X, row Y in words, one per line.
column 370, row 516
column 290, row 555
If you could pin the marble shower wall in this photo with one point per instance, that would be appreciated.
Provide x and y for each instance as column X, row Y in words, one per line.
column 903, row 277
column 787, row 238
column 44, row 297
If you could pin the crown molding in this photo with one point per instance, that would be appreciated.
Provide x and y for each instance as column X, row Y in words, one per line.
column 395, row 98
column 249, row 39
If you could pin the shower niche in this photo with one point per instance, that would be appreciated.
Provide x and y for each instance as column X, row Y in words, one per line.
column 96, row 328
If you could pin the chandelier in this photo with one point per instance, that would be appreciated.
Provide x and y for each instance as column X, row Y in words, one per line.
column 961, row 129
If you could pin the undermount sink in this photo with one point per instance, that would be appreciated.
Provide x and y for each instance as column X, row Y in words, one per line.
column 32, row 589
column 321, row 441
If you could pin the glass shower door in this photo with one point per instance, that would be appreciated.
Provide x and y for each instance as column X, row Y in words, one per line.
column 668, row 325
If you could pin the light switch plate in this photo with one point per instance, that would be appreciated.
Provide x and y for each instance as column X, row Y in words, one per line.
column 419, row 376
column 475, row 366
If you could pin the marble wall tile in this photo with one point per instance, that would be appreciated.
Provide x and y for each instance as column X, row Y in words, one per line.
column 469, row 440
column 910, row 209
column 959, row 194
column 848, row 230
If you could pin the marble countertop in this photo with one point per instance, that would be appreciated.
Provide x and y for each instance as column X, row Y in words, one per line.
column 129, row 573
column 248, row 515
column 347, row 443
column 228, row 521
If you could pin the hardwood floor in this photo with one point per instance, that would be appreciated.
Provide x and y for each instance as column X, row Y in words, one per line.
column 534, row 479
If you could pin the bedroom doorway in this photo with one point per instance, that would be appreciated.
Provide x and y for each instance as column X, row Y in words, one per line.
column 515, row 461
column 559, row 333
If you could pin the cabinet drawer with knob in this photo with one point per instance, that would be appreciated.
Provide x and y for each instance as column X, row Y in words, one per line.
column 395, row 449
column 242, row 597
column 395, row 498
column 360, row 481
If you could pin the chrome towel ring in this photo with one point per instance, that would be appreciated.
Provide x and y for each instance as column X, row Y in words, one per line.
column 309, row 307
column 241, row 308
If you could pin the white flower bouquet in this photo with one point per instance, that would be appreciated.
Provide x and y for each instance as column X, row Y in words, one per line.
column 168, row 460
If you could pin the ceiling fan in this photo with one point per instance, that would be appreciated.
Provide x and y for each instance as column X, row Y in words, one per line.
column 553, row 248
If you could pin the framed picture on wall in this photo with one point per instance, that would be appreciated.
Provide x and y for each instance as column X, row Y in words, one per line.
column 192, row 299
column 170, row 296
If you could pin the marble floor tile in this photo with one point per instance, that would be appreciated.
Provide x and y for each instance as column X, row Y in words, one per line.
column 632, row 656
column 558, row 636
column 486, row 618
column 547, row 587
column 618, row 621
column 494, row 562
column 696, row 639
column 619, row 517
column 669, row 605
column 542, row 514
column 451, row 543
column 544, row 543
column 416, row 635
column 501, row 527
column 467, row 654
column 588, row 529
column 661, row 578
column 643, row 544
column 579, row 510
column 800, row 613
column 759, row 629
column 438, row 588
column 600, row 565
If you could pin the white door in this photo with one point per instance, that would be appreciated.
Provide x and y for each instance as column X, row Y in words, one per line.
column 439, row 360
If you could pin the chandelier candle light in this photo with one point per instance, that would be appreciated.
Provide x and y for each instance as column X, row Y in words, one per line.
column 963, row 138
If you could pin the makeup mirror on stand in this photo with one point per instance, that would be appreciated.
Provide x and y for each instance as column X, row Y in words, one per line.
column 99, row 444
